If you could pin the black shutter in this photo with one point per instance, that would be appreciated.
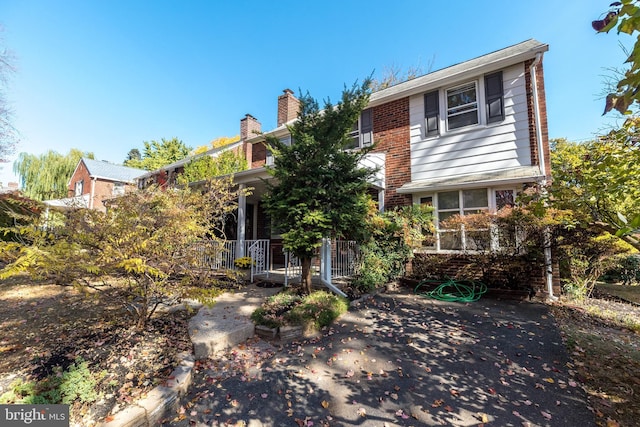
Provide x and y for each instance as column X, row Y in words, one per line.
column 366, row 127
column 431, row 113
column 494, row 97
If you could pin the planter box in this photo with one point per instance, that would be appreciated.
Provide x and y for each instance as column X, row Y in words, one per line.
column 290, row 332
column 266, row 332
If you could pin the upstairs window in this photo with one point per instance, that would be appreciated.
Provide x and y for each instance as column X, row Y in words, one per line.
column 462, row 106
column 432, row 113
column 79, row 188
column 362, row 132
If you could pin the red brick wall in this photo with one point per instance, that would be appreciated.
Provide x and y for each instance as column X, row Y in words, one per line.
column 392, row 137
column 258, row 155
column 517, row 273
column 542, row 103
column 81, row 174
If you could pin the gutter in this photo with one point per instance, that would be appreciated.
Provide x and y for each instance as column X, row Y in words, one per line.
column 548, row 263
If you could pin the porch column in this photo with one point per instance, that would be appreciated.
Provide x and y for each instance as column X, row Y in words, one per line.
column 242, row 209
column 381, row 200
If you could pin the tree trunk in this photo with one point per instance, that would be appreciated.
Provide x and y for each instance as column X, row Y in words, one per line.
column 305, row 280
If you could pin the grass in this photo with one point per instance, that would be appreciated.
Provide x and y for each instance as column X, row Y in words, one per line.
column 628, row 292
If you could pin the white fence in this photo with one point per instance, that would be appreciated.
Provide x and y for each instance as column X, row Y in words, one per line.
column 336, row 258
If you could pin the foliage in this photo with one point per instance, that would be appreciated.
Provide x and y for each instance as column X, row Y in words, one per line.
column 319, row 188
column 16, row 210
column 625, row 16
column 393, row 75
column 217, row 143
column 316, row 310
column 597, row 180
column 626, row 270
column 46, row 176
column 149, row 238
column 392, row 237
column 8, row 134
column 585, row 255
column 243, row 262
column 206, row 166
column 158, row 154
column 76, row 383
column 133, row 154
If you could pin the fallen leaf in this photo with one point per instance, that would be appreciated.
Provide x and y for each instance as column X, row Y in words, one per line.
column 325, row 404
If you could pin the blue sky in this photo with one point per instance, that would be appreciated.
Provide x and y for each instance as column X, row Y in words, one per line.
column 104, row 76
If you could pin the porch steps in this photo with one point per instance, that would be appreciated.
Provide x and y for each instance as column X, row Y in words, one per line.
column 228, row 322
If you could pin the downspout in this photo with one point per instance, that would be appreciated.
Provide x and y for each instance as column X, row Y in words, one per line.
column 93, row 190
column 548, row 262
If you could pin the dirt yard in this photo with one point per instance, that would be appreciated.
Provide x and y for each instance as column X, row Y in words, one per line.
column 44, row 325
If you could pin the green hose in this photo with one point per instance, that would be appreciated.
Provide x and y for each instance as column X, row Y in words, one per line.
column 453, row 291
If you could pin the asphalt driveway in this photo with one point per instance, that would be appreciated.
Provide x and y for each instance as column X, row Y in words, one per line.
column 398, row 359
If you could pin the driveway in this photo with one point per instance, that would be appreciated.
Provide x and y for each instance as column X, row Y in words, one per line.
column 398, row 359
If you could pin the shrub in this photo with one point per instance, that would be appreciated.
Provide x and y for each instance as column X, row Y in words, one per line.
column 393, row 235
column 244, row 262
column 75, row 383
column 316, row 310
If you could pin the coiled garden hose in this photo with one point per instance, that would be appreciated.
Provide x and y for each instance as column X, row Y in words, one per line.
column 452, row 290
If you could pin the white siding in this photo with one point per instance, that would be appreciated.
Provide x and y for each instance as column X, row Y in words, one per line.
column 477, row 149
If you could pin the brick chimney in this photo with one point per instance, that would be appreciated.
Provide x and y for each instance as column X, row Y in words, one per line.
column 288, row 107
column 249, row 125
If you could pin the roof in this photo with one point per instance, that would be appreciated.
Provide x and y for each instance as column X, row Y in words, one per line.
column 504, row 177
column 111, row 172
column 483, row 64
column 493, row 61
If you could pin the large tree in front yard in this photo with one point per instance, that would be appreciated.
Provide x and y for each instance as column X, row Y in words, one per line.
column 319, row 188
column 598, row 180
column 153, row 240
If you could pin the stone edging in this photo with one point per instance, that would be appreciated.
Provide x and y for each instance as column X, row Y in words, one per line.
column 159, row 401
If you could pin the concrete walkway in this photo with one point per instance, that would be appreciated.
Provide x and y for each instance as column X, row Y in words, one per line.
column 228, row 322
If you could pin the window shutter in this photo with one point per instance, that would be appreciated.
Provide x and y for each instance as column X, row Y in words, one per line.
column 366, row 127
column 431, row 113
column 494, row 97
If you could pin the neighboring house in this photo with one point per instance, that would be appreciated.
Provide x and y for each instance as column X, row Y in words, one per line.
column 94, row 181
column 462, row 139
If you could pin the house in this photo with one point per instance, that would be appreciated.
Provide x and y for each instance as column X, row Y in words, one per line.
column 462, row 139
column 94, row 181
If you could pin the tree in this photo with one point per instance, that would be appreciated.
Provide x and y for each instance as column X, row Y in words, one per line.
column 625, row 16
column 393, row 75
column 319, row 188
column 155, row 240
column 205, row 166
column 46, row 176
column 8, row 134
column 133, row 154
column 217, row 143
column 598, row 180
column 158, row 154
column 16, row 210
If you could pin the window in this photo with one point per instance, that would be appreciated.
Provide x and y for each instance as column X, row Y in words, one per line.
column 494, row 97
column 79, row 188
column 431, row 113
column 463, row 202
column 462, row 106
column 118, row 188
column 362, row 132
